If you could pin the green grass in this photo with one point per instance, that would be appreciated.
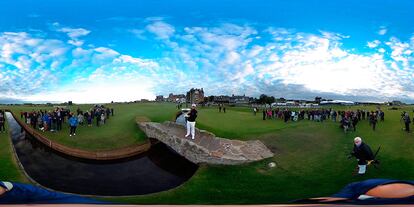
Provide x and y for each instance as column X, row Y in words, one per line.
column 311, row 157
column 9, row 171
column 237, row 123
column 119, row 131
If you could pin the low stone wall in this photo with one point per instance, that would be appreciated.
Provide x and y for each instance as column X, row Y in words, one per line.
column 206, row 148
column 91, row 155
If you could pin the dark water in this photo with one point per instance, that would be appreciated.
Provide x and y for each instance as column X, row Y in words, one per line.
column 157, row 170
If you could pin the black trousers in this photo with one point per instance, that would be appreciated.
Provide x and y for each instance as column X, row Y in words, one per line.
column 72, row 129
column 59, row 125
column 407, row 126
column 362, row 162
column 2, row 127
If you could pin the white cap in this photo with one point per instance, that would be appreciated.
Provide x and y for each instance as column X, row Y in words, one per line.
column 193, row 105
column 7, row 185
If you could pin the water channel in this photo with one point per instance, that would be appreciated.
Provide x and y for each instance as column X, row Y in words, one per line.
column 158, row 169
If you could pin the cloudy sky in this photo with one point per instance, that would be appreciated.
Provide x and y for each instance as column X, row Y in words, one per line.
column 123, row 50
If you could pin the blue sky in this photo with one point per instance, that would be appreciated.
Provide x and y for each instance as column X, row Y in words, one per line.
column 99, row 51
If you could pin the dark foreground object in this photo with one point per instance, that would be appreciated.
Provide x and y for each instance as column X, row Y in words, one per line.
column 355, row 193
column 29, row 194
column 157, row 170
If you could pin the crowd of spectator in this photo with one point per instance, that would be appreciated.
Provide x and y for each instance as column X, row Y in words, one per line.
column 53, row 120
column 348, row 119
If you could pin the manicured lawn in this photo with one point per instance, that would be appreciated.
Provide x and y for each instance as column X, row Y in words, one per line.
column 312, row 160
column 9, row 171
column 311, row 157
column 119, row 131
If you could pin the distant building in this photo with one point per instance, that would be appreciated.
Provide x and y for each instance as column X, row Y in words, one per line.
column 181, row 100
column 337, row 102
column 281, row 100
column 239, row 99
column 221, row 99
column 396, row 103
column 176, row 98
column 195, row 95
column 371, row 103
column 159, row 98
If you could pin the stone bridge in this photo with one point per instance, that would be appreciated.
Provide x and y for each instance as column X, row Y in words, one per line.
column 206, row 147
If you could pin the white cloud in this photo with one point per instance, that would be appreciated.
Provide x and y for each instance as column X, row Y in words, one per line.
column 232, row 58
column 27, row 61
column 366, row 73
column 33, row 69
column 226, row 58
column 104, row 53
column 74, row 33
column 161, row 29
column 400, row 51
column 383, row 30
column 313, row 63
column 373, row 44
column 139, row 33
column 141, row 63
column 76, row 43
column 99, row 92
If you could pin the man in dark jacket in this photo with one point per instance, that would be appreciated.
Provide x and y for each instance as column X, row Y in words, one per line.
column 363, row 153
column 286, row 115
column 2, row 121
column 354, row 122
column 373, row 120
column 407, row 122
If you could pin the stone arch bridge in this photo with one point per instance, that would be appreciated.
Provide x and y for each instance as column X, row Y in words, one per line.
column 206, row 147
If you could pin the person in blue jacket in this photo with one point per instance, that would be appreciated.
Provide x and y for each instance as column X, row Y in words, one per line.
column 73, row 123
column 19, row 193
column 45, row 118
column 371, row 191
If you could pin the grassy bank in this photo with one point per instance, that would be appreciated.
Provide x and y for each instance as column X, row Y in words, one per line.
column 311, row 157
column 9, row 170
column 119, row 131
